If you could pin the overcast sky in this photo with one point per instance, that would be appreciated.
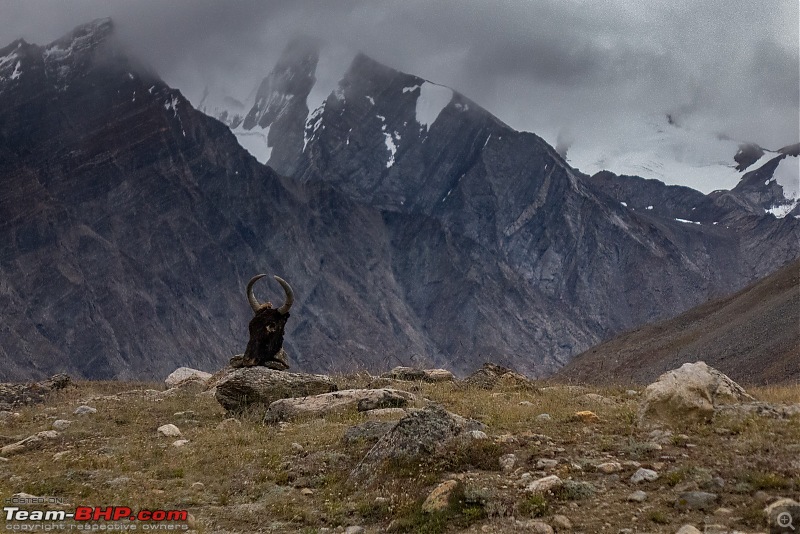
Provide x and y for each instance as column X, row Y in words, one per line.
column 581, row 69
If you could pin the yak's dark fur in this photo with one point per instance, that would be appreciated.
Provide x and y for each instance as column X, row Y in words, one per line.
column 266, row 338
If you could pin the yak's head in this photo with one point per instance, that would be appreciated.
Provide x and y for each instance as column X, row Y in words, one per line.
column 257, row 306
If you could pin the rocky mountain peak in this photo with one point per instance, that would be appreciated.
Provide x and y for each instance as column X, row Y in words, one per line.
column 292, row 78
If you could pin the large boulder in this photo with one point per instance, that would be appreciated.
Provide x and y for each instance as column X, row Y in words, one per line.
column 184, row 374
column 691, row 393
column 319, row 405
column 422, row 433
column 242, row 388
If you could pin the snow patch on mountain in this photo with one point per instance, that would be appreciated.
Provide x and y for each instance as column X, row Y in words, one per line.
column 255, row 141
column 783, row 210
column 391, row 147
column 332, row 65
column 7, row 60
column 6, row 63
column 431, row 101
column 787, row 175
column 313, row 123
column 676, row 155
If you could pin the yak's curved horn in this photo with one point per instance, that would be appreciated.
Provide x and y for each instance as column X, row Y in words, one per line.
column 283, row 310
column 250, row 296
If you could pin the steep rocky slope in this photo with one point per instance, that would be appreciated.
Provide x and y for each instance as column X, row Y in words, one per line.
column 752, row 336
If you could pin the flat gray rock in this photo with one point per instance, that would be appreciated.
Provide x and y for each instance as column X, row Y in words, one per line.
column 354, row 399
column 249, row 386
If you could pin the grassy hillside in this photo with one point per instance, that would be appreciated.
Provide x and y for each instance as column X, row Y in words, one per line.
column 248, row 477
column 752, row 336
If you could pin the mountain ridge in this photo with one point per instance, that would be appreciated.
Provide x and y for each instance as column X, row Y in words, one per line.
column 131, row 222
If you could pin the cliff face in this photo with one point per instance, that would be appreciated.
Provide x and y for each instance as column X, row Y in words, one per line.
column 131, row 223
column 414, row 228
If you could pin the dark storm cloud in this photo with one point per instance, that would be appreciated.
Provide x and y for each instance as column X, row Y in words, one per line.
column 548, row 66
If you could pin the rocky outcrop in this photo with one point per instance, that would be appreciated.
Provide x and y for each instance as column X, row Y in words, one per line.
column 422, row 433
column 692, row 392
column 491, row 376
column 260, row 386
column 320, row 405
column 15, row 395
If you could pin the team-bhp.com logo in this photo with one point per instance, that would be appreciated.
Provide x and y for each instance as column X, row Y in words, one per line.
column 87, row 517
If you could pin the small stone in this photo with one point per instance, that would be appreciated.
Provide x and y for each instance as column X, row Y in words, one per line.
column 631, row 392
column 525, row 403
column 230, row 422
column 508, row 462
column 546, row 463
column 60, row 455
column 307, row 491
column 587, row 416
column 2, row 459
column 438, row 375
column 169, row 430
column 544, row 484
column 631, row 464
column 561, row 523
column 696, row 500
column 437, row 499
column 644, row 475
column 506, row 438
column 760, row 495
column 536, row 526
column 84, row 410
column 478, row 434
column 543, row 417
column 61, row 424
column 354, row 530
column 180, row 442
column 637, row 496
column 723, row 511
column 297, row 448
column 688, row 529
column 609, row 467
column 660, row 436
column 198, row 486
